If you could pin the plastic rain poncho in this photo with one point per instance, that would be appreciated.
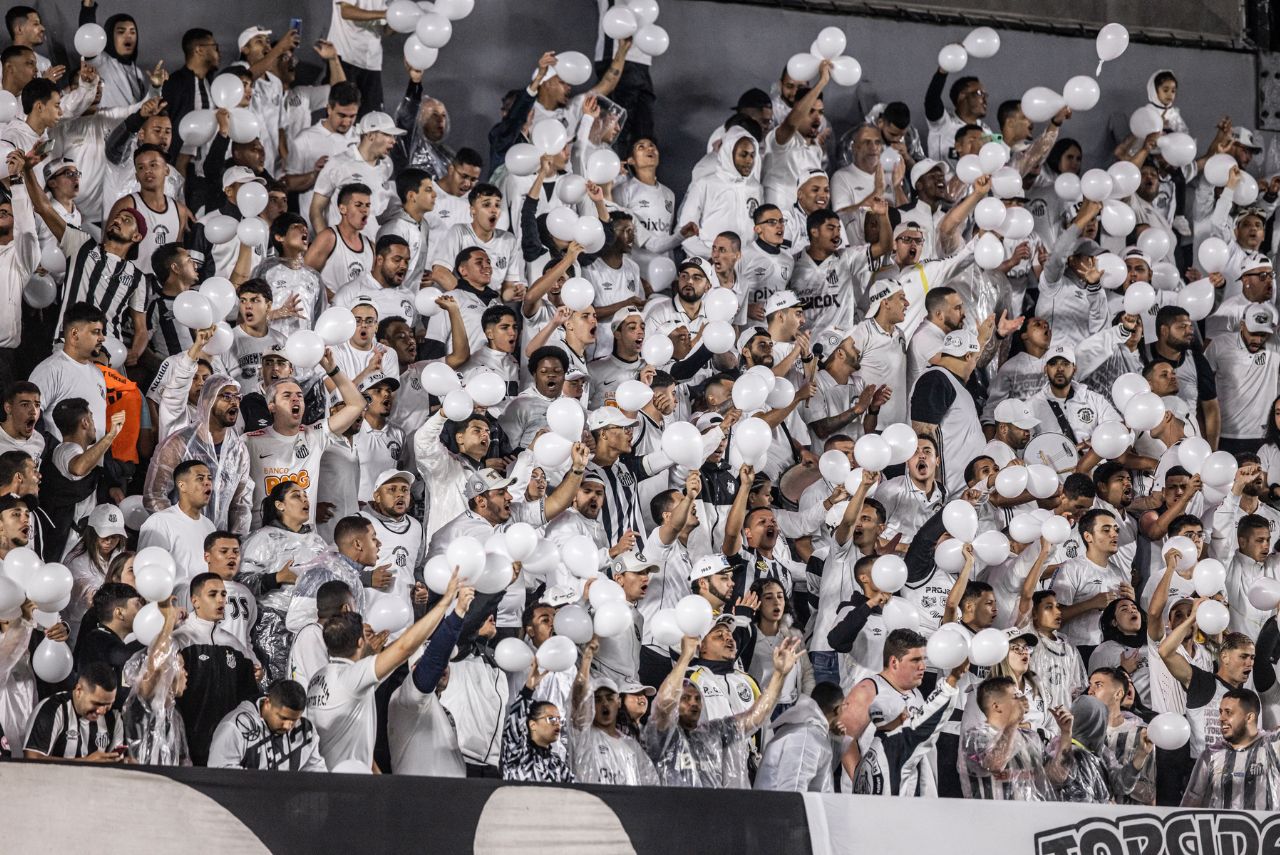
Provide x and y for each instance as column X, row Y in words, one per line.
column 264, row 554
column 1094, row 776
column 17, row 684
column 416, row 110
column 798, row 757
column 599, row 758
column 153, row 728
column 231, row 503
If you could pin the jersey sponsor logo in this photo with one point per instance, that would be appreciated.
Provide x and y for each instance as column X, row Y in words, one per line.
column 301, row 478
column 820, row 301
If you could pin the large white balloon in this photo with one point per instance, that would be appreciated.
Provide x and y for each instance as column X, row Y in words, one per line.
column 952, row 58
column 847, row 71
column 803, row 67
column 1118, row 218
column 196, row 127
column 1193, row 451
column 11, row 598
column 1144, row 411
column 245, row 125
column 619, row 22
column 602, row 166
column 1011, row 481
column 401, row 16
column 1111, row 439
column 1081, row 93
column 969, row 168
column 889, row 573
column 653, row 40
column 580, row 556
column 1197, row 298
column 899, row 613
column 1169, row 730
column 1018, row 223
column 988, row 647
column 612, row 618
column 1209, row 577
column 1217, row 169
column 251, row 198
column 574, row 623
column 589, row 232
column 834, row 466
column 252, row 231
column 1067, row 187
column 1040, row 103
column 388, row 613
column 753, row 437
column 1125, row 387
column 1114, row 272
column 192, row 309
column 1177, row 149
column 433, row 30
column 1264, row 594
column 718, row 337
column 1213, row 255
column 1056, row 529
column 522, row 159
column 991, row 547
column 557, row 653
column 336, row 325
column 40, row 291
column 872, row 453
column 1212, row 617
column 147, row 623
column 949, row 555
column 467, row 555
column 513, row 655
column 153, row 582
column 989, row 213
column 1219, row 469
column 549, row 136
column 631, row 395
column 455, row 10
column 1042, row 481
column 566, row 418
column 304, row 349
column 49, row 584
column 982, row 43
column 1006, row 182
column 1139, row 297
column 947, row 648
column 90, row 41
column 417, row 55
column 220, row 228
column 646, row 11
column 960, row 520
column 486, row 388
column 1096, row 185
column 720, row 304
column 830, row 43
column 573, row 67
column 437, row 574
column 52, row 661
column 1145, row 121
column 439, row 379
column 221, row 295
column 902, row 441
column 577, row 293
column 1111, row 42
column 988, row 252
column 1024, row 528
column 1155, row 242
column 682, row 442
column 750, row 392
column 694, row 616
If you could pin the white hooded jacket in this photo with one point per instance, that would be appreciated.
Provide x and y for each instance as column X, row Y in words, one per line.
column 725, row 201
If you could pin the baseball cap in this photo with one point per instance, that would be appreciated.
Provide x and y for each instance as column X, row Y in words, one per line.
column 58, row 164
column 959, row 343
column 1088, row 248
column 107, row 520
column 1017, row 413
column 1244, row 137
column 594, row 474
column 831, row 339
column 1060, row 351
column 239, row 175
column 779, row 301
column 1134, row 252
column 632, row 687
column 744, row 337
column 608, row 417
column 248, row 35
column 598, row 683
column 276, row 351
column 708, row 565
column 483, row 481
column 887, row 289
column 378, row 122
column 1177, row 406
column 908, row 226
column 924, row 167
column 753, row 99
column 1254, row 261
column 392, row 475
column 707, row 421
column 560, row 595
column 632, row 561
column 1260, row 318
column 138, row 219
column 575, row 374
column 722, row 619
column 1015, row 633
column 621, row 317
column 378, row 377
column 699, row 264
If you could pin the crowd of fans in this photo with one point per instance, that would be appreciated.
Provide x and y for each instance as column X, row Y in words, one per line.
column 895, row 462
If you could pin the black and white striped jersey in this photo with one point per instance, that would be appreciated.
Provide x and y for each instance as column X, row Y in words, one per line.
column 56, row 730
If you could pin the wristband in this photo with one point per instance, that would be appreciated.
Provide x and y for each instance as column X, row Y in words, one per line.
column 577, row 471
column 334, row 372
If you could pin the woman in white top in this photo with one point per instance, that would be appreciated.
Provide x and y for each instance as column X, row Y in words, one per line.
column 1017, row 665
column 1270, row 450
column 89, row 561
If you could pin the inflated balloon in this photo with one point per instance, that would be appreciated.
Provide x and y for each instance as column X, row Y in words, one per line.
column 657, row 351
column 846, row 71
column 989, row 213
column 988, row 647
column 1212, row 255
column 1169, row 730
column 952, row 58
column 1139, row 297
column 147, row 623
column 1006, row 182
column 720, row 304
column 574, row 623
column 1040, row 103
column 551, row 449
column 153, row 583
column 1056, row 530
column 749, row 391
column 388, row 613
column 1177, row 149
column 455, row 10
column 304, row 349
column 889, row 573
column 949, row 555
column 1197, row 298
column 1042, row 482
column 562, row 222
column 834, row 466
column 573, row 67
column 666, row 632
column 619, row 22
column 1081, row 93
column 433, row 29
column 580, row 556
column 1018, row 223
column 252, row 231
column 1024, row 528
column 1144, row 411
column 602, row 166
column 513, row 655
column 457, row 405
column 192, row 309
column 991, row 547
column 589, row 233
column 982, row 43
column 660, row 272
column 1114, row 272
column 1193, row 451
column 1125, row 178
column 803, row 67
column 1096, row 185
column 631, row 395
column 117, row 353
column 417, row 55
column 1165, row 276
column 902, row 441
column 782, row 393
column 1111, row 42
column 1011, row 481
column 49, row 584
column 605, row 591
column 960, row 520
column 988, row 252
column 522, row 159
column 1126, row 386
column 947, row 648
column 467, row 555
column 90, row 41
column 245, row 125
column 557, row 654
column 646, row 11
column 693, row 616
column 612, row 618
column 39, row 292
column 486, row 388
column 401, row 16
column 1264, row 594
column 11, row 598
column 1111, row 439
column 570, row 189
column 753, row 437
column 337, row 325
column 251, row 198
column 1246, row 192
column 1217, row 169
column 199, row 126
column 1145, row 121
column 969, row 168
column 549, row 136
column 437, row 574
column 1219, row 469
column 1209, row 577
column 221, row 294
column 220, row 228
column 652, row 40
column 1155, row 243
column 899, row 613
column 439, row 379
column 227, row 91
column 577, row 293
column 830, row 42
column 1067, row 187
column 566, row 419
column 520, row 540
column 682, row 442
column 52, row 661
column 872, row 452
column 1212, row 617
column 9, row 106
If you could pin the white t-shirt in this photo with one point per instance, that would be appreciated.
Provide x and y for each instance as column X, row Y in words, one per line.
column 340, row 705
column 358, row 42
column 504, row 253
column 274, row 458
column 307, row 654
column 309, row 146
column 60, row 377
column 183, row 537
column 62, row 457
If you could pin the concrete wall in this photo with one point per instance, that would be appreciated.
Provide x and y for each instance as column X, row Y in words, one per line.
column 717, row 51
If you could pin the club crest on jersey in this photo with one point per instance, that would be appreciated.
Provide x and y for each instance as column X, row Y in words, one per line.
column 300, row 451
column 231, row 659
column 1259, row 358
column 393, row 448
column 1071, row 549
column 744, row 694
column 400, row 556
column 354, row 269
column 1085, row 415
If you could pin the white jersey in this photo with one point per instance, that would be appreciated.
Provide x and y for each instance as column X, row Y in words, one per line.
column 764, row 270
column 612, row 285
column 379, row 449
column 1247, row 383
column 504, row 253
column 349, row 167
column 884, row 360
column 653, row 210
column 449, row 211
column 274, row 458
column 416, row 235
column 241, row 613
column 309, row 146
column 390, row 302
column 243, row 361
column 344, row 263
column 340, row 704
column 402, row 547
column 833, row 290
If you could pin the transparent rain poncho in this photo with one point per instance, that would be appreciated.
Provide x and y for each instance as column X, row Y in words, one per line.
column 153, row 727
column 599, row 758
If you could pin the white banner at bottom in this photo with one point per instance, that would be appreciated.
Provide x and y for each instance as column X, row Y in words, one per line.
column 880, row 825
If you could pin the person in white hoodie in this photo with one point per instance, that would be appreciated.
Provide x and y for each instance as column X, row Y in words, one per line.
column 798, row 757
column 724, row 201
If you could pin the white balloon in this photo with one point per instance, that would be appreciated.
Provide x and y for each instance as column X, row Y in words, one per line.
column 589, row 233
column 947, row 648
column 1219, row 469
column 1040, row 103
column 605, row 591
column 652, row 40
column 1139, row 297
column 147, row 623
column 580, row 556
column 11, row 598
column 660, row 272
column 220, row 229
column 522, row 159
column 577, row 293
column 993, row 155
column 1067, row 187
column 1217, row 169
column 1213, row 255
column 1042, row 482
column 749, row 391
column 782, row 394
column 1125, row 387
column 989, row 213
column 513, row 655
column 52, row 661
column 1246, row 192
column 1193, row 451
column 570, row 189
column 433, row 30
column 549, row 136
column 1169, row 730
column 245, row 125
column 1018, row 223
column 834, row 466
column 304, row 349
column 949, row 555
column 1145, row 121
column 252, row 231
column 960, row 520
column 251, row 198
column 682, row 442
column 388, row 613
column 902, row 441
column 573, row 67
column 612, row 618
column 439, row 379
column 602, row 167
column 153, row 583
column 49, row 584
column 40, row 291
column 9, row 105
column 1096, row 185
column 1177, row 149
column 520, row 539
column 486, row 388
column 336, row 325
column 566, row 419
column 991, row 547
column 402, row 16
column 753, row 437
column 1212, row 617
column 455, row 10
column 457, row 405
column 1164, row 275
column 573, row 623
column 1125, row 177
column 899, row 613
column 666, row 631
column 1081, row 93
column 1113, row 269
column 192, row 309
column 557, row 653
column 467, row 555
column 1024, row 528
column 1111, row 439
column 496, row 575
column 221, row 294
column 969, row 168
column 831, row 42
column 417, row 55
column 619, row 22
column 1144, row 411
column 988, row 647
column 889, row 573
column 1056, row 530
column 1112, row 41
column 1155, row 242
column 846, row 71
column 718, row 337
column 90, row 41
column 1209, row 577
column 982, row 43
column 562, row 222
column 196, row 128
column 872, row 452
column 988, row 252
column 1197, row 298
column 952, row 58
column 1011, row 481
column 1006, row 182
column 631, row 395
column 1264, row 594
column 437, row 574
column 720, row 304
column 646, row 11
column 693, row 616
column 803, row 67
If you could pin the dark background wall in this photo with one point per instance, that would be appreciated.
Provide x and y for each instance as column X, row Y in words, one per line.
column 717, row 51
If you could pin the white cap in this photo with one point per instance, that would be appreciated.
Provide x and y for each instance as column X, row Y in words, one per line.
column 1060, row 351
column 392, row 475
column 779, row 301
column 107, row 520
column 884, row 290
column 1011, row 411
column 608, row 417
column 959, row 343
column 377, row 122
column 744, row 337
column 239, row 175
column 708, row 565
column 924, row 167
column 249, row 35
column 1260, row 318
column 831, row 339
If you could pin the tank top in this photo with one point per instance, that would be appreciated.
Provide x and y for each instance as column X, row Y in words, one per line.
column 162, row 227
column 344, row 263
column 873, row 774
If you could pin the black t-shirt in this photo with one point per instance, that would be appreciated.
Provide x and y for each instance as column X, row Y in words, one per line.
column 100, row 644
column 932, row 397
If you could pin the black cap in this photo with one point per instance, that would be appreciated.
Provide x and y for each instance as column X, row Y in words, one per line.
column 754, row 99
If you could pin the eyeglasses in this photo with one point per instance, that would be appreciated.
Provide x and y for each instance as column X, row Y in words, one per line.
column 230, row 397
column 550, row 719
column 978, row 93
column 367, row 322
column 68, row 173
column 772, row 221
column 912, row 241
column 1018, row 647
column 1265, row 277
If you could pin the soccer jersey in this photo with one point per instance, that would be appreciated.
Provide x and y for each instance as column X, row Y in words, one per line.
column 274, row 457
